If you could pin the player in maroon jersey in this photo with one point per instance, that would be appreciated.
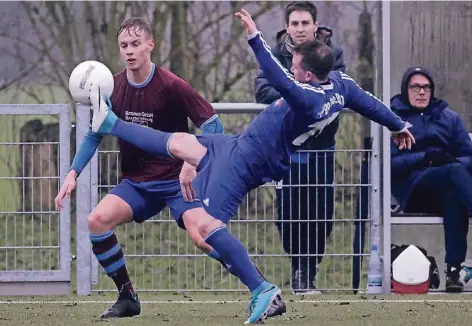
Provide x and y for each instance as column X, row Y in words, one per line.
column 152, row 96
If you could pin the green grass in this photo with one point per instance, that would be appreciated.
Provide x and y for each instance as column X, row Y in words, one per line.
column 225, row 309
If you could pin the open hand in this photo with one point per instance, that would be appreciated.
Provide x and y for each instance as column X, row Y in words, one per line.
column 66, row 190
column 246, row 21
column 403, row 139
column 187, row 174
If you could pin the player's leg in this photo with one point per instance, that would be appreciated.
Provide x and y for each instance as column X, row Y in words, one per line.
column 321, row 198
column 214, row 232
column 181, row 145
column 447, row 191
column 124, row 203
column 174, row 200
column 289, row 204
column 110, row 212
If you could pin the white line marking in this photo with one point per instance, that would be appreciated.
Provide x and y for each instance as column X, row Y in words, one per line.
column 239, row 301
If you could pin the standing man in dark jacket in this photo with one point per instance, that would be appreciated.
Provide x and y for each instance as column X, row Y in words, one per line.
column 305, row 241
column 434, row 176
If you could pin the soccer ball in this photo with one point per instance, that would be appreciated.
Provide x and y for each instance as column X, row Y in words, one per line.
column 85, row 75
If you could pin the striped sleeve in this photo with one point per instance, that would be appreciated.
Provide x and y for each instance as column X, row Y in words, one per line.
column 369, row 106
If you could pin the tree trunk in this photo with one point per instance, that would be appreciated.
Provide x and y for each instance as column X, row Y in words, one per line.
column 178, row 39
column 365, row 69
column 435, row 35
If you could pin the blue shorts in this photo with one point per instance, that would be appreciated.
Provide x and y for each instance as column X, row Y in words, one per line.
column 147, row 199
column 222, row 180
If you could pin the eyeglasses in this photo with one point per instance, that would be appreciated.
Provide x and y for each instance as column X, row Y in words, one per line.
column 417, row 88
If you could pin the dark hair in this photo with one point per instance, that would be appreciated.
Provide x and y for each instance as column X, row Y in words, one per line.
column 301, row 6
column 317, row 57
column 135, row 23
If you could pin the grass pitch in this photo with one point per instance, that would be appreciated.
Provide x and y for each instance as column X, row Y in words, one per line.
column 228, row 309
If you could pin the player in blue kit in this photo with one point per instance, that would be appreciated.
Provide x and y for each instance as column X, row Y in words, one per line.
column 229, row 166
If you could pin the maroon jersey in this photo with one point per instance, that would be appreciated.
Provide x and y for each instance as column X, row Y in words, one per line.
column 163, row 103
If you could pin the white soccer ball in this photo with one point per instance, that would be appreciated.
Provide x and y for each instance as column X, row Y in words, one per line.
column 85, row 75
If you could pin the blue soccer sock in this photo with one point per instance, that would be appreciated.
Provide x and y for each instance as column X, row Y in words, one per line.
column 216, row 256
column 149, row 140
column 233, row 253
column 108, row 251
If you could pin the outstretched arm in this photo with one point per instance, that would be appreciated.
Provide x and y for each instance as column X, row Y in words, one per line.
column 87, row 148
column 366, row 104
column 298, row 95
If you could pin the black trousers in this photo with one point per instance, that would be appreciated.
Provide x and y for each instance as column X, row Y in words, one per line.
column 299, row 205
column 446, row 191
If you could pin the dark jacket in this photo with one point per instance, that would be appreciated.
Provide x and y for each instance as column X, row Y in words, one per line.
column 266, row 93
column 437, row 128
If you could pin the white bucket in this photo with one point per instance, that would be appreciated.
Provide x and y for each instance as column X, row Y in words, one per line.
column 411, row 271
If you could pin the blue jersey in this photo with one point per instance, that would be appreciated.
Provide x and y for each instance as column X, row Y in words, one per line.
column 303, row 111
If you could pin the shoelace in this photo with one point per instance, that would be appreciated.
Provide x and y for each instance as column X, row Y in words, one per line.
column 250, row 307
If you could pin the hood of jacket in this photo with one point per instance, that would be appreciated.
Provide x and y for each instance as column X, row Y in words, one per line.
column 406, row 79
column 402, row 108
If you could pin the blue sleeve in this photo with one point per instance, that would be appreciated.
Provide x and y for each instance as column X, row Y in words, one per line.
column 404, row 162
column 212, row 126
column 369, row 106
column 299, row 96
column 461, row 143
column 87, row 148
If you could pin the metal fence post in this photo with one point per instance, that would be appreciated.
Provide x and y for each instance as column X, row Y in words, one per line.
column 84, row 283
column 386, row 189
column 65, row 218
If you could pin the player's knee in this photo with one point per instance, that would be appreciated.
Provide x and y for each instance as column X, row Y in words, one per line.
column 200, row 243
column 100, row 222
column 209, row 226
column 179, row 143
column 97, row 223
column 187, row 148
column 200, row 224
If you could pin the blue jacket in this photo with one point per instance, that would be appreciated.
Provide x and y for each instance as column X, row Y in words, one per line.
column 305, row 110
column 437, row 128
column 266, row 93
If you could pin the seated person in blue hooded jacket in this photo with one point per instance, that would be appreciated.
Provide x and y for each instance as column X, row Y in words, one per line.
column 433, row 177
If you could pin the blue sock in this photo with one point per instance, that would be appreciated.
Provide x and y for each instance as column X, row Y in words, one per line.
column 149, row 140
column 109, row 122
column 263, row 286
column 233, row 253
column 214, row 254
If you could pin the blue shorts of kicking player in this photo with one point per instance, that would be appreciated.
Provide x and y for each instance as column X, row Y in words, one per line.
column 223, row 180
column 148, row 198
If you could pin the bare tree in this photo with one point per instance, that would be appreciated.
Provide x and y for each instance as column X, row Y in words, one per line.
column 199, row 41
